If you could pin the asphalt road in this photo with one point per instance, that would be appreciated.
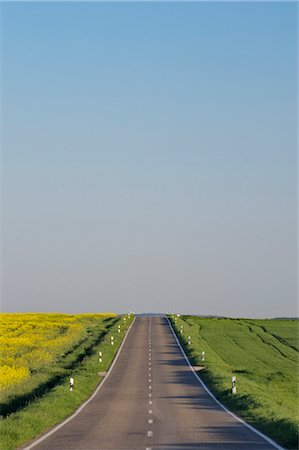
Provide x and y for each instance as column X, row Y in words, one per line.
column 152, row 400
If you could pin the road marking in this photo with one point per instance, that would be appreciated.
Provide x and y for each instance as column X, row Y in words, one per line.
column 148, row 448
column 149, row 433
column 150, row 380
column 266, row 438
column 150, row 394
column 150, row 402
column 150, row 368
column 149, row 387
column 150, row 411
column 41, row 439
column 150, row 420
column 150, row 363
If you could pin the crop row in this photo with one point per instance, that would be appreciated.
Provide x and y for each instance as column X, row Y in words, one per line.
column 262, row 355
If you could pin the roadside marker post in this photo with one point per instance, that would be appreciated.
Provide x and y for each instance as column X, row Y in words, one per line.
column 234, row 384
column 189, row 340
column 100, row 357
column 182, row 328
column 72, row 382
column 203, row 356
column 112, row 340
column 118, row 328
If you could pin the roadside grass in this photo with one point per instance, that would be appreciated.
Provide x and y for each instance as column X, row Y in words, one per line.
column 53, row 401
column 263, row 355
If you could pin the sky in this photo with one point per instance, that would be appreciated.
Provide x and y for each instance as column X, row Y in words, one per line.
column 149, row 157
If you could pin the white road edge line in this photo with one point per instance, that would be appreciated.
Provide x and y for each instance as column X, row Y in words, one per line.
column 38, row 441
column 259, row 433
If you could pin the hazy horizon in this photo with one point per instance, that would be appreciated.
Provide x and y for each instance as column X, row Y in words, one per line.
column 149, row 158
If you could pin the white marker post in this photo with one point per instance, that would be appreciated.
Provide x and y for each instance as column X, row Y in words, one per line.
column 100, row 357
column 234, row 385
column 118, row 328
column 203, row 356
column 112, row 340
column 72, row 382
column 181, row 330
column 189, row 340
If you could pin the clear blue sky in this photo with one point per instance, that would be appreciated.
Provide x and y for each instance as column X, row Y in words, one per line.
column 149, row 157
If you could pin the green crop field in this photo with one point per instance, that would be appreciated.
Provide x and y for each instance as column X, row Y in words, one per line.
column 263, row 355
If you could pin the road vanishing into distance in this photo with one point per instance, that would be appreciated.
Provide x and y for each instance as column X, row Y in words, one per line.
column 151, row 399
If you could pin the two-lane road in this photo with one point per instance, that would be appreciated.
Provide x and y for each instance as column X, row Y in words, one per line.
column 152, row 400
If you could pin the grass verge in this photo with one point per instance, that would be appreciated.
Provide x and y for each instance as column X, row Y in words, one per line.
column 264, row 358
column 46, row 408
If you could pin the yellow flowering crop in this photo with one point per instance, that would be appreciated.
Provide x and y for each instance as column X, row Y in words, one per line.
column 31, row 341
column 12, row 375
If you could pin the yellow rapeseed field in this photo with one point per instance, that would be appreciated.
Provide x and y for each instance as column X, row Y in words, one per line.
column 30, row 341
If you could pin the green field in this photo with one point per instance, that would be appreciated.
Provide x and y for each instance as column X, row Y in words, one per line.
column 44, row 399
column 263, row 355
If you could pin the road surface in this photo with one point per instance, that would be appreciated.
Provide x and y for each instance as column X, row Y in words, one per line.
column 152, row 400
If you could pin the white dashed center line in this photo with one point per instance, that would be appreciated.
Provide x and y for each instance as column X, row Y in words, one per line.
column 150, row 411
